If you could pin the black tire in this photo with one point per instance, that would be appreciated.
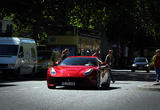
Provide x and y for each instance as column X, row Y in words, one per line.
column 5, row 75
column 51, row 87
column 33, row 74
column 98, row 82
column 108, row 82
column 17, row 73
column 132, row 70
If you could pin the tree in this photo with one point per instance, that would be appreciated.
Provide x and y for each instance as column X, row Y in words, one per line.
column 120, row 19
column 35, row 16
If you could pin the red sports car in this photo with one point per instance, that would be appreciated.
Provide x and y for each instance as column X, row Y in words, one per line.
column 79, row 71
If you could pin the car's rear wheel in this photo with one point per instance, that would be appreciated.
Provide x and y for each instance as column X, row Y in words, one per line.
column 98, row 81
column 106, row 85
column 108, row 82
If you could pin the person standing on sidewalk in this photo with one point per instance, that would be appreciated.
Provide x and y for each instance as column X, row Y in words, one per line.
column 109, row 60
column 156, row 63
column 65, row 54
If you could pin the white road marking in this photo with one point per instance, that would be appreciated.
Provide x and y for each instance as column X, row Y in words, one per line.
column 4, row 91
column 20, row 90
column 36, row 87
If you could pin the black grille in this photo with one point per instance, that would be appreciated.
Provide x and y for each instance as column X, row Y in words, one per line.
column 68, row 79
column 140, row 65
column 59, row 80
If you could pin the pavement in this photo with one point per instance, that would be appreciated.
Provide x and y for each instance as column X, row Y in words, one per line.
column 151, row 86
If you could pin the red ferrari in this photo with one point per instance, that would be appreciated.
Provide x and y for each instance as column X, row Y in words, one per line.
column 79, row 71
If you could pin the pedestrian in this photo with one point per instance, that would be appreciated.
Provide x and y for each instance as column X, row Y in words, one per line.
column 65, row 54
column 156, row 63
column 97, row 53
column 109, row 60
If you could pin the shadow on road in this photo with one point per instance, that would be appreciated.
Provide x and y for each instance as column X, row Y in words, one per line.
column 86, row 88
column 7, row 85
column 37, row 77
column 118, row 76
column 134, row 76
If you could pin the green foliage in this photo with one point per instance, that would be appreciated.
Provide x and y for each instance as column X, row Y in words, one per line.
column 121, row 19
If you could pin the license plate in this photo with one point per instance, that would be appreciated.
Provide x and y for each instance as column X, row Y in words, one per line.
column 68, row 83
column 140, row 68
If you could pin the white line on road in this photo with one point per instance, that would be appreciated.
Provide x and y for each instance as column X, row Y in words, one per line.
column 20, row 90
column 4, row 92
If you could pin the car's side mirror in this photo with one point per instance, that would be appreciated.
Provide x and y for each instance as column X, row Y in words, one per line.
column 56, row 63
column 103, row 63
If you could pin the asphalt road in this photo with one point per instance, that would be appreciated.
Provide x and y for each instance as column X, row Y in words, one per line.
column 125, row 94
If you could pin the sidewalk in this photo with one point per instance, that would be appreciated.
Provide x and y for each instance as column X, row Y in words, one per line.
column 152, row 86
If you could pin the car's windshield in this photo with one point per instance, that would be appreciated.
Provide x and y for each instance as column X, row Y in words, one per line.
column 8, row 50
column 80, row 61
column 140, row 60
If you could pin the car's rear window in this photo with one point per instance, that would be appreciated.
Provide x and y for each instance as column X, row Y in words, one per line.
column 80, row 61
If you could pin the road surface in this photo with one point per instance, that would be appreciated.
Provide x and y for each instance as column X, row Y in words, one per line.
column 124, row 94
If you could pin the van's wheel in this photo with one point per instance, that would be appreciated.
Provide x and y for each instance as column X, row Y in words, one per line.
column 5, row 75
column 148, row 71
column 34, row 71
column 17, row 73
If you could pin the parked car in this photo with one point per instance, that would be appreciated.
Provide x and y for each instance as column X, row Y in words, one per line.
column 79, row 71
column 47, row 59
column 140, row 63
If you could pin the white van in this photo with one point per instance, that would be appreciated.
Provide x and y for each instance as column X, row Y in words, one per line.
column 18, row 55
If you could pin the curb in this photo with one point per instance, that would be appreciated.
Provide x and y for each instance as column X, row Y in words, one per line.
column 153, row 86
